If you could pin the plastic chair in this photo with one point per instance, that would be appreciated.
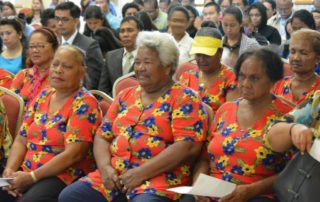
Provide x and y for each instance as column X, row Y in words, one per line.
column 14, row 105
column 124, row 82
column 105, row 100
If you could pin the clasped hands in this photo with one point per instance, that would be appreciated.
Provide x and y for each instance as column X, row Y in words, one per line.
column 19, row 184
column 124, row 183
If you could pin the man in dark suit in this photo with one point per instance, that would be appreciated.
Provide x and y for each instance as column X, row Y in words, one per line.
column 120, row 61
column 67, row 16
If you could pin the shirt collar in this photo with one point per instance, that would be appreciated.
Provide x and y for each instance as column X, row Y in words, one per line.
column 134, row 52
column 71, row 38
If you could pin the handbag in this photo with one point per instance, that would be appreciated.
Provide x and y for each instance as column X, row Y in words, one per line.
column 299, row 181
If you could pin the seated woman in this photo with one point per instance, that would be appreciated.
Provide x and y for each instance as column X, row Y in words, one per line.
column 144, row 126
column 95, row 19
column 5, row 78
column 236, row 149
column 215, row 82
column 12, row 58
column 258, row 15
column 29, row 82
column 52, row 148
column 235, row 42
column 178, row 20
column 304, row 56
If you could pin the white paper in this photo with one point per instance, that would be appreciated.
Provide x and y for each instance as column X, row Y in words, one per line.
column 315, row 149
column 4, row 181
column 207, row 186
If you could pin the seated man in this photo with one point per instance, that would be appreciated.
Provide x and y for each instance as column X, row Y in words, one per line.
column 120, row 61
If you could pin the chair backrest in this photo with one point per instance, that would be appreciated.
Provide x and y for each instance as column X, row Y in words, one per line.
column 184, row 67
column 124, row 82
column 14, row 105
column 104, row 100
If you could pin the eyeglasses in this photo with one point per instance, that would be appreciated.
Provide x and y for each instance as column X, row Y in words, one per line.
column 62, row 19
column 38, row 46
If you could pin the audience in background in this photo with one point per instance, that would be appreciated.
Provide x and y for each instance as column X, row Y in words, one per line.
column 13, row 57
column 284, row 12
column 178, row 19
column 130, row 9
column 316, row 17
column 67, row 16
column 120, row 61
column 94, row 19
column 113, row 20
column 36, row 7
column 258, row 16
column 271, row 7
column 193, row 14
column 146, row 21
column 158, row 17
column 48, row 19
column 235, row 42
column 107, row 40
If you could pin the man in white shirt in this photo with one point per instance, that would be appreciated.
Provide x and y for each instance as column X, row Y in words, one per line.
column 67, row 18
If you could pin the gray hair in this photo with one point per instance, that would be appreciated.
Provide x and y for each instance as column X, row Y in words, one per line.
column 210, row 32
column 164, row 44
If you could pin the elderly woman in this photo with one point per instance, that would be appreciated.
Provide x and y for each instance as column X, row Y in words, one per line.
column 236, row 149
column 235, row 42
column 29, row 82
column 53, row 147
column 214, row 82
column 12, row 58
column 304, row 56
column 144, row 126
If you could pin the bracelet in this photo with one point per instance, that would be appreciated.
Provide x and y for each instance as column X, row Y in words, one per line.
column 33, row 176
column 290, row 129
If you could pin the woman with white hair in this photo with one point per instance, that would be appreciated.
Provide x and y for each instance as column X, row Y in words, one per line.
column 150, row 136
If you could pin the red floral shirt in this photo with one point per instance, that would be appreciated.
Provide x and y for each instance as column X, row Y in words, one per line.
column 216, row 94
column 138, row 133
column 48, row 134
column 241, row 155
column 283, row 89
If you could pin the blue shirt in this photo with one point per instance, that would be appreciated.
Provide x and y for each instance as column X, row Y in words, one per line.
column 113, row 21
column 13, row 65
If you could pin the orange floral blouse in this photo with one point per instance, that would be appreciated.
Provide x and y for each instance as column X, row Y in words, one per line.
column 214, row 96
column 23, row 84
column 283, row 89
column 177, row 115
column 241, row 155
column 48, row 134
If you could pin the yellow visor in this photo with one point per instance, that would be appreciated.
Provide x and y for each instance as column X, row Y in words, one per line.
column 205, row 45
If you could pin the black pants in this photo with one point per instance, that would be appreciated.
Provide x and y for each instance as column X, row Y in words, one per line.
column 46, row 190
column 189, row 198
